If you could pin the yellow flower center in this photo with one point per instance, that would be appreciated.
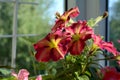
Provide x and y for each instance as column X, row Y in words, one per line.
column 94, row 47
column 54, row 43
column 117, row 57
column 76, row 37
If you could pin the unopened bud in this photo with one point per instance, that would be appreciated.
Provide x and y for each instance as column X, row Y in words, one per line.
column 57, row 15
column 105, row 14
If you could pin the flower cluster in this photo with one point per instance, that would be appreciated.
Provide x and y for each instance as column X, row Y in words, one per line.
column 76, row 43
column 68, row 36
column 75, row 46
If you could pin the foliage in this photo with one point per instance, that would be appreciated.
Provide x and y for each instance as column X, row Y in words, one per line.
column 5, row 28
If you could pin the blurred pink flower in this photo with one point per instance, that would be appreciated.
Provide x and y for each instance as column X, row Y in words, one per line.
column 118, row 41
column 39, row 77
column 22, row 74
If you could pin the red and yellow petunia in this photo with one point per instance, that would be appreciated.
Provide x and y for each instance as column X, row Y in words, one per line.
column 80, row 33
column 50, row 48
column 104, row 45
column 63, row 19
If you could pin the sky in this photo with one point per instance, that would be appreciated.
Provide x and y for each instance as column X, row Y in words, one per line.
column 58, row 6
column 111, row 2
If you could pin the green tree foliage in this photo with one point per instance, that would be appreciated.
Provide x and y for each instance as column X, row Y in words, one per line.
column 6, row 15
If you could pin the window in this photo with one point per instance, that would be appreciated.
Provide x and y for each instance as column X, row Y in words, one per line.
column 23, row 22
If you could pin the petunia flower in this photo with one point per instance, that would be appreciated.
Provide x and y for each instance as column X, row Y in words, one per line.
column 39, row 77
column 80, row 33
column 110, row 73
column 50, row 48
column 64, row 18
column 22, row 75
column 104, row 45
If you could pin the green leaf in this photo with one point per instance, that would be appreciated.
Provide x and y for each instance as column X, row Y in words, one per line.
column 88, row 73
column 83, row 77
column 8, row 78
column 5, row 71
column 93, row 22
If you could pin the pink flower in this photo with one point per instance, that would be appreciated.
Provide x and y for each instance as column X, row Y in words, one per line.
column 39, row 77
column 110, row 73
column 63, row 19
column 80, row 32
column 22, row 75
column 50, row 48
column 104, row 45
column 118, row 41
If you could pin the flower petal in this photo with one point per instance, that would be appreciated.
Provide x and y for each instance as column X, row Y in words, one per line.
column 42, row 54
column 60, row 23
column 23, row 74
column 56, row 54
column 77, row 47
column 39, row 77
column 14, row 74
column 104, row 45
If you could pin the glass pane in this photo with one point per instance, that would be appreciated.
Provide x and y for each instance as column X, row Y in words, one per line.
column 6, row 18
column 38, row 19
column 5, row 51
column 34, row 19
column 25, row 56
column 27, row 0
column 114, row 23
